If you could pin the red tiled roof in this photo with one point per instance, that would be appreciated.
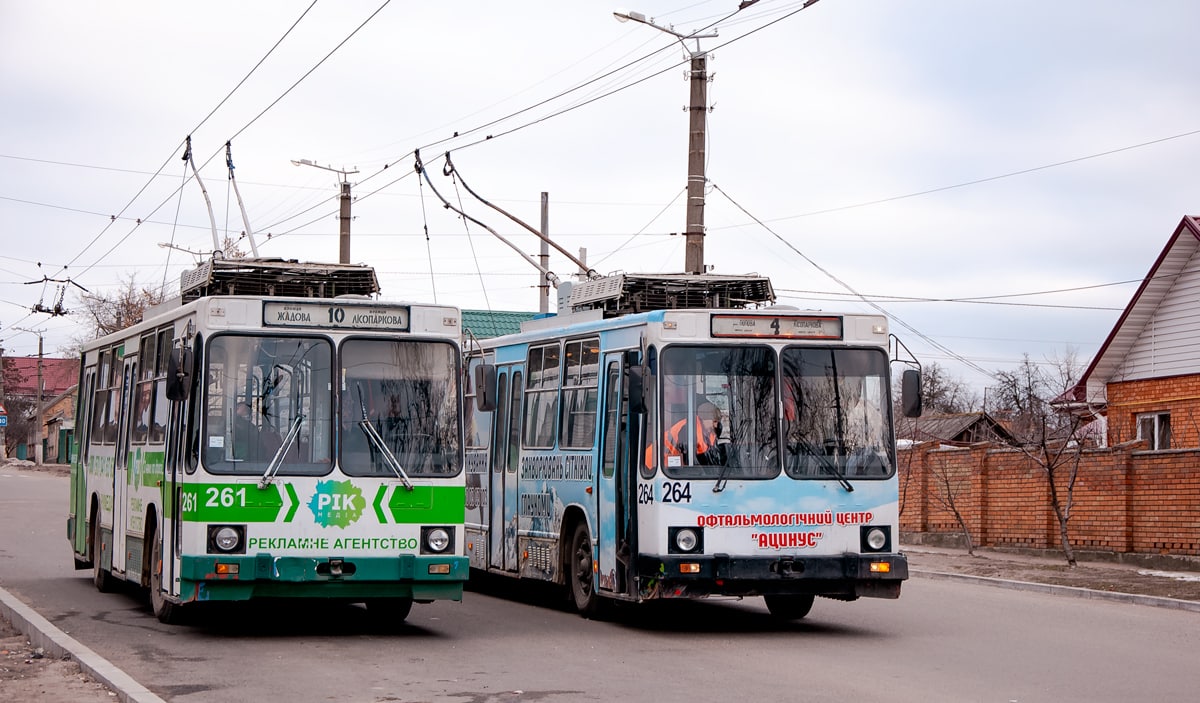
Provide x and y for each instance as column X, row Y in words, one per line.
column 58, row 375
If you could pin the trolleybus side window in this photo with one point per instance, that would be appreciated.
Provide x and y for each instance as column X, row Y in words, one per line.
column 836, row 417
column 580, row 392
column 150, row 402
column 740, row 383
column 407, row 391
column 541, row 406
column 514, row 425
column 612, row 419
column 266, row 394
column 500, row 451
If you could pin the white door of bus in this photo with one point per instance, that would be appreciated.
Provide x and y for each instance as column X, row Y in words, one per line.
column 121, row 467
column 609, row 503
column 502, row 530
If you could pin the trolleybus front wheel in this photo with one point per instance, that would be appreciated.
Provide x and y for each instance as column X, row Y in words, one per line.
column 789, row 607
column 580, row 568
column 389, row 612
column 166, row 611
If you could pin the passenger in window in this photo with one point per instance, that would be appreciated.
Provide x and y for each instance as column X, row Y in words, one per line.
column 250, row 442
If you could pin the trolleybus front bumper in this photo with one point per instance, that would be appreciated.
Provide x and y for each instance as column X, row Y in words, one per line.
column 236, row 577
column 846, row 577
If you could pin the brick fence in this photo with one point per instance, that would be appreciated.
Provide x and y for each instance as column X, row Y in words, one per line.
column 1126, row 500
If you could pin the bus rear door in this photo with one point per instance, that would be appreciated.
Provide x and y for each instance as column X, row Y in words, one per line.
column 121, row 468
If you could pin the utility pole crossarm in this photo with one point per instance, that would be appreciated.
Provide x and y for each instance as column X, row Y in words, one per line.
column 343, row 207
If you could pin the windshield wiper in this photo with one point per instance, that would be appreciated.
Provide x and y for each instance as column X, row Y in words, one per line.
column 723, row 449
column 388, row 458
column 826, row 463
column 277, row 460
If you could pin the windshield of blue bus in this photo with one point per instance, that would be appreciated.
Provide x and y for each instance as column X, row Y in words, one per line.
column 718, row 413
column 836, row 413
column 407, row 392
column 266, row 393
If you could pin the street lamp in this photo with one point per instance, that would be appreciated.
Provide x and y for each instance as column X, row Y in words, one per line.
column 344, row 213
column 693, row 256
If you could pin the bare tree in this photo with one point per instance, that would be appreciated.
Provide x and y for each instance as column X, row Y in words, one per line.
column 946, row 494
column 941, row 392
column 1050, row 440
column 110, row 312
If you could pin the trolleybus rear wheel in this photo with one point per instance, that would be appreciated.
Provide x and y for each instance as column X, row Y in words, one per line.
column 102, row 578
column 789, row 607
column 580, row 566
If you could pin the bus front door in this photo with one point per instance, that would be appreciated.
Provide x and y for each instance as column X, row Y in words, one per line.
column 610, row 498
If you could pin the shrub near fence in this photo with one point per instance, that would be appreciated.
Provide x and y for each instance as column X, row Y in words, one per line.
column 1126, row 500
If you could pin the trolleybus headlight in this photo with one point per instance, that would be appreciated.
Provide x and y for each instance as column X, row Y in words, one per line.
column 436, row 540
column 684, row 540
column 876, row 539
column 226, row 539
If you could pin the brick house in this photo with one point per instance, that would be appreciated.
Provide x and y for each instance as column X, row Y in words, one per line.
column 1146, row 376
column 59, row 377
column 1138, row 493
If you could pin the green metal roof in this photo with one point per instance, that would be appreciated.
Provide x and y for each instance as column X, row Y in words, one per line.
column 492, row 323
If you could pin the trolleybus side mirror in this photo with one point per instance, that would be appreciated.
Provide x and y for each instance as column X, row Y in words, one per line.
column 910, row 393
column 485, row 387
column 637, row 401
column 179, row 374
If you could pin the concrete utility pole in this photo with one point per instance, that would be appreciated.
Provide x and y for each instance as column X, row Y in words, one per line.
column 544, row 256
column 3, row 410
column 693, row 261
column 343, row 210
column 37, row 422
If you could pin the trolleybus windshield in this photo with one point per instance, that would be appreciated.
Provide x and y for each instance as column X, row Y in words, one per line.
column 260, row 389
column 406, row 392
column 836, row 419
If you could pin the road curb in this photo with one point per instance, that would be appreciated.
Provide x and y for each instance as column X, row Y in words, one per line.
column 1075, row 592
column 42, row 633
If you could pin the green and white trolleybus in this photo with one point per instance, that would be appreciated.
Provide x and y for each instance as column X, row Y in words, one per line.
column 274, row 433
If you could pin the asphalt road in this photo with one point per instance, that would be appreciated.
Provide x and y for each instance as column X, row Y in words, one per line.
column 942, row 641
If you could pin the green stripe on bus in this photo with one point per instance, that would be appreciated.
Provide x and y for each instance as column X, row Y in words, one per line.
column 241, row 502
column 378, row 504
column 428, row 504
column 291, row 513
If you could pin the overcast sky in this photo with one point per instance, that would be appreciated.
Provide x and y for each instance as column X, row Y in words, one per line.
column 936, row 150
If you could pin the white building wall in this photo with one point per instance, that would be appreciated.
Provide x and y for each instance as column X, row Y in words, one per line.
column 1168, row 346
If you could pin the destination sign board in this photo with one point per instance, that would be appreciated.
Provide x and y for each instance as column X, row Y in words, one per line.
column 777, row 326
column 351, row 316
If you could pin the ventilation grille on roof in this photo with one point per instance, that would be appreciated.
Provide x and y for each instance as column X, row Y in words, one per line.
column 622, row 294
column 277, row 277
